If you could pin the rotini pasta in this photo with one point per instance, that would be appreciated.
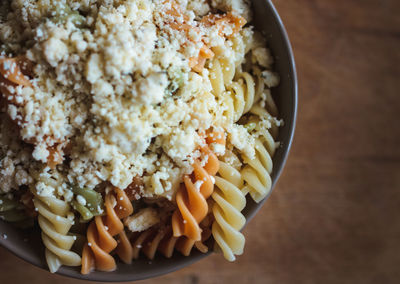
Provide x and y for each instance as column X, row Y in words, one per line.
column 92, row 204
column 257, row 172
column 229, row 202
column 162, row 240
column 101, row 232
column 261, row 90
column 140, row 127
column 240, row 96
column 55, row 224
column 55, row 220
column 236, row 90
column 14, row 212
column 217, row 78
column 192, row 196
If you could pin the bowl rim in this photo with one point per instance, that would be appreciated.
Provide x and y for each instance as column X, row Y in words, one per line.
column 102, row 276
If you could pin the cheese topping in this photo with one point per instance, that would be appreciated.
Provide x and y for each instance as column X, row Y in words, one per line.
column 118, row 89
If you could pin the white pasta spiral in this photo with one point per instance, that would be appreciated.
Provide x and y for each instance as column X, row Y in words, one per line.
column 240, row 96
column 262, row 90
column 222, row 72
column 271, row 134
column 257, row 172
column 229, row 202
column 55, row 224
column 237, row 91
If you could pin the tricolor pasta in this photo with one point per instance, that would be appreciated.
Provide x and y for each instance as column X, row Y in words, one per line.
column 133, row 128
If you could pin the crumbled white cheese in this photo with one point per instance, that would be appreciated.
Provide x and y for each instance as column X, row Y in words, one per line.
column 241, row 139
column 218, row 149
column 55, row 51
column 198, row 184
column 81, row 200
column 116, row 93
column 263, row 56
column 44, row 190
column 40, row 153
column 15, row 158
column 270, row 78
column 151, row 89
column 94, row 68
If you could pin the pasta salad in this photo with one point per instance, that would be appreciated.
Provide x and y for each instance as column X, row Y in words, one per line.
column 133, row 128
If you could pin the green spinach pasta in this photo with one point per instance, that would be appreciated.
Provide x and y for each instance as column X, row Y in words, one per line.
column 14, row 212
column 133, row 128
column 88, row 203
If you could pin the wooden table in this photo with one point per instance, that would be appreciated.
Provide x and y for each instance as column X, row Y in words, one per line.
column 334, row 216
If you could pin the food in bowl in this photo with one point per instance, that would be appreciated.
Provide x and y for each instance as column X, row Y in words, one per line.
column 133, row 127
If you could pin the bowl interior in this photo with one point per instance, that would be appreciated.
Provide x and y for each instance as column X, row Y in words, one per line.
column 27, row 244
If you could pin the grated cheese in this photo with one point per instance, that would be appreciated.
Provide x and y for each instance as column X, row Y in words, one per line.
column 114, row 93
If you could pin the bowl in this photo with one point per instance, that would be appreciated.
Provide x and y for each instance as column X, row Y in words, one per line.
column 28, row 246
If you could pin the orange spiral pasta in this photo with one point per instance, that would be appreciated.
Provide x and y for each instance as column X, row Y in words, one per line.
column 192, row 196
column 101, row 232
column 162, row 240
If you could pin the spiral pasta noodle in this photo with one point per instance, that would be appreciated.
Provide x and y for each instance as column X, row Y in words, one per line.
column 55, row 220
column 236, row 90
column 257, row 172
column 192, row 196
column 223, row 70
column 14, row 212
column 161, row 239
column 101, row 232
column 272, row 133
column 92, row 206
column 241, row 96
column 229, row 202
column 221, row 74
column 55, row 224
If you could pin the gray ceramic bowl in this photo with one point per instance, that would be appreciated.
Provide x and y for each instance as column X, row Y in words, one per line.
column 28, row 246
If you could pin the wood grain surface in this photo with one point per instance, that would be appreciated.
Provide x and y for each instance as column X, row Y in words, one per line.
column 334, row 215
